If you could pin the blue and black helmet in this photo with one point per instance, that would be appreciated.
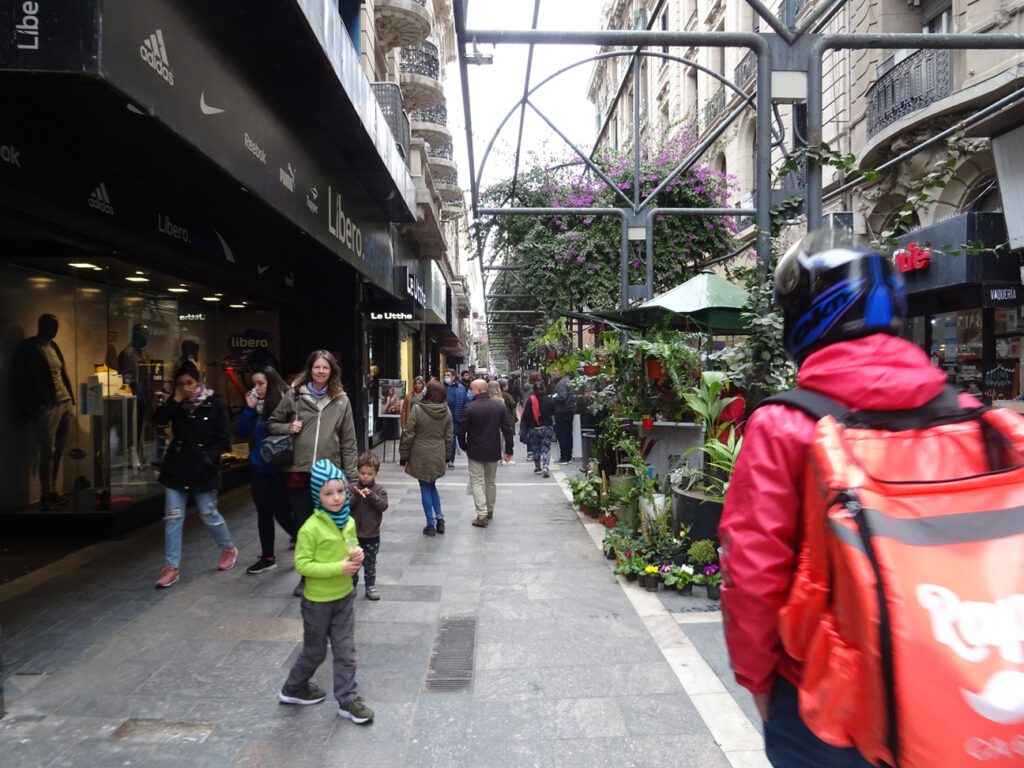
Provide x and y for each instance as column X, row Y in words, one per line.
column 833, row 286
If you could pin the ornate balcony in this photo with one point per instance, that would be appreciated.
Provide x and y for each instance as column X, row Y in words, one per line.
column 919, row 80
column 401, row 22
column 447, row 187
column 420, row 70
column 745, row 69
column 389, row 97
column 441, row 159
column 714, row 107
column 431, row 124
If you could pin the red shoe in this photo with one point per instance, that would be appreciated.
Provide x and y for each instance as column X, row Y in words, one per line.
column 228, row 558
column 168, row 576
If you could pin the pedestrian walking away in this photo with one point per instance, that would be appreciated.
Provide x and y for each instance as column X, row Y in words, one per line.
column 562, row 395
column 425, row 443
column 318, row 415
column 266, row 481
column 328, row 555
column 858, row 360
column 485, row 421
column 198, row 420
column 457, row 397
column 538, row 420
column 511, row 404
column 369, row 501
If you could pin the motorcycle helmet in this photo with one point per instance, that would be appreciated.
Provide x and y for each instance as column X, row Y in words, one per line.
column 834, row 286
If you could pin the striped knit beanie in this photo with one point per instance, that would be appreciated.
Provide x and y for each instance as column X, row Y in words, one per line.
column 322, row 471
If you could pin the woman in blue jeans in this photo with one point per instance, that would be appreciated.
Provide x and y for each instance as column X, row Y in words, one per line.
column 426, row 443
column 198, row 420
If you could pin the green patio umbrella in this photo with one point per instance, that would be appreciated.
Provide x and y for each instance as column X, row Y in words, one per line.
column 706, row 303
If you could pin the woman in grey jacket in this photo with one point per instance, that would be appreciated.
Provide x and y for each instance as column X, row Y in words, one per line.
column 318, row 415
column 426, row 442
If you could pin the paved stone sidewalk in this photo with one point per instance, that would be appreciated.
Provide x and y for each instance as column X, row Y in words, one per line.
column 570, row 668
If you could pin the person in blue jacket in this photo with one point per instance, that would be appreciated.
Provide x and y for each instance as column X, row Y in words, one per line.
column 458, row 396
column 267, row 482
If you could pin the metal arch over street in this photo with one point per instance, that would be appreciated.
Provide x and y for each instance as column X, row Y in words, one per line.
column 792, row 47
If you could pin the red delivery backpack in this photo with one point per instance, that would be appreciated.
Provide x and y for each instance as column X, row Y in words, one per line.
column 907, row 606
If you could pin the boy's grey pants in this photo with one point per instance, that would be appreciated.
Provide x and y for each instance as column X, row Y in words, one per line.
column 320, row 621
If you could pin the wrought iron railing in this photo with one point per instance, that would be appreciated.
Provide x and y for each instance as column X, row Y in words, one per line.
column 389, row 97
column 745, row 69
column 714, row 107
column 438, row 115
column 919, row 80
column 448, row 178
column 441, row 150
column 420, row 59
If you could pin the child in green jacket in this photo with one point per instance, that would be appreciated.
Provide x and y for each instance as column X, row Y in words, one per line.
column 328, row 555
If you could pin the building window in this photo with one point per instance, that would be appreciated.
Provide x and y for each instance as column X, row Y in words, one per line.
column 664, row 28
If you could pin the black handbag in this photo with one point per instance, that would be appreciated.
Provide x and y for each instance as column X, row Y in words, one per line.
column 279, row 450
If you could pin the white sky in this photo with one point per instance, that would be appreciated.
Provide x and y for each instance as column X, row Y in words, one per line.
column 496, row 88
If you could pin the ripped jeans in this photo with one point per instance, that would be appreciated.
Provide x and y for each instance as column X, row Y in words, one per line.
column 175, row 502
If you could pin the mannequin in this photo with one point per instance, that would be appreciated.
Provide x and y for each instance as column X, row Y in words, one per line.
column 133, row 365
column 47, row 399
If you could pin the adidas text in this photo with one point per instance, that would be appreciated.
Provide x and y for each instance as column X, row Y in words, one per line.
column 154, row 53
column 100, row 200
column 972, row 628
column 258, row 152
column 26, row 32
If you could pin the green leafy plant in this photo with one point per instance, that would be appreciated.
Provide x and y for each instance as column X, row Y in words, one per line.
column 702, row 553
column 709, row 575
column 585, row 490
column 631, row 563
column 679, row 357
column 677, row 576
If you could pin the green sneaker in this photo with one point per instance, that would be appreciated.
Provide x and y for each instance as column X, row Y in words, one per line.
column 311, row 693
column 356, row 711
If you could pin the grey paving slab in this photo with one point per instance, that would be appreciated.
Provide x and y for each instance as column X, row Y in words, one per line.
column 565, row 672
column 707, row 638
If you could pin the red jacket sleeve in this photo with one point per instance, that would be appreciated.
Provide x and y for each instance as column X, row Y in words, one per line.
column 760, row 535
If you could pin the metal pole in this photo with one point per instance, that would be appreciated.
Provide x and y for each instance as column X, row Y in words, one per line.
column 624, row 264
column 636, row 134
column 763, row 170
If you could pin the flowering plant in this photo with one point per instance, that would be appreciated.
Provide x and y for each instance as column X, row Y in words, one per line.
column 677, row 576
column 632, row 563
column 711, row 576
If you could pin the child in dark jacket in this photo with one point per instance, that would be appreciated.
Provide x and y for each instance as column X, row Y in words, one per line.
column 369, row 500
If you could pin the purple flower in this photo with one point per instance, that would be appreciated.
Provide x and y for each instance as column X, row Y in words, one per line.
column 710, row 570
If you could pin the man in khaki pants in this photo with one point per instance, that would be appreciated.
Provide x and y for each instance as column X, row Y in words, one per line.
column 484, row 422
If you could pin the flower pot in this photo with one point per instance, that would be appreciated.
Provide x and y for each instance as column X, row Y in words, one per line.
column 659, row 506
column 632, row 576
column 653, row 583
column 610, row 555
column 714, row 591
column 694, row 509
column 655, row 370
column 608, row 521
column 591, row 370
column 594, row 512
column 642, row 579
column 551, row 354
column 687, row 590
column 584, row 509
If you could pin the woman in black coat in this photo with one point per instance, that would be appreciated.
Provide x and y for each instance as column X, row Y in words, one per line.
column 198, row 420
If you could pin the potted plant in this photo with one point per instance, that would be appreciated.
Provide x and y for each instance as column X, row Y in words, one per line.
column 711, row 577
column 553, row 342
column 586, row 492
column 653, row 578
column 588, row 359
column 699, row 491
column 702, row 553
column 631, row 567
column 671, row 357
column 679, row 578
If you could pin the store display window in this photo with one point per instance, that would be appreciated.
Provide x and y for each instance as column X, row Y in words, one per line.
column 89, row 351
column 1002, row 380
column 957, row 347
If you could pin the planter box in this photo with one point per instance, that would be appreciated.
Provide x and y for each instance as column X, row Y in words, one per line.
column 694, row 509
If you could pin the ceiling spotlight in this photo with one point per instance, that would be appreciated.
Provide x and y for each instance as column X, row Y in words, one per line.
column 137, row 279
column 237, row 306
column 82, row 265
column 178, row 290
column 211, row 298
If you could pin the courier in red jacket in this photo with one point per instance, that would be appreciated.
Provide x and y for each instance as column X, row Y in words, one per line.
column 843, row 305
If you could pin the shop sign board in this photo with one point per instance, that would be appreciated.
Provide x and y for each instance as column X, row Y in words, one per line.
column 171, row 70
column 1002, row 295
column 391, row 311
column 912, row 257
column 407, row 281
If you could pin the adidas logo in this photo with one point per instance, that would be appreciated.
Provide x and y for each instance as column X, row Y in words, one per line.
column 154, row 53
column 100, row 200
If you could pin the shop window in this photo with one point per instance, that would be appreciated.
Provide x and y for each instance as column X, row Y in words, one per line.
column 1002, row 380
column 120, row 332
column 956, row 347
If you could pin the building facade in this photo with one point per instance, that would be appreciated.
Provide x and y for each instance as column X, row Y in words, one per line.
column 960, row 249
column 220, row 183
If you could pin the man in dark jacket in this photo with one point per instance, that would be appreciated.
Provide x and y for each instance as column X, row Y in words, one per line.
column 855, row 357
column 562, row 396
column 458, row 396
column 484, row 422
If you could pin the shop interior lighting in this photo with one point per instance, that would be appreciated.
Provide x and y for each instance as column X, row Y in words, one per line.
column 82, row 265
column 211, row 298
column 178, row 290
column 237, row 306
column 137, row 279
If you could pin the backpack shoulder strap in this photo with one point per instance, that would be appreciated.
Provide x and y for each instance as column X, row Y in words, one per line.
column 814, row 404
